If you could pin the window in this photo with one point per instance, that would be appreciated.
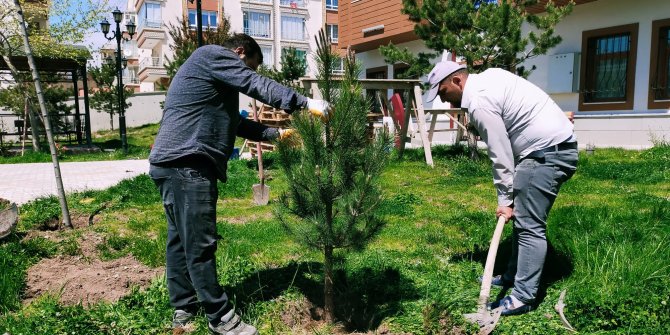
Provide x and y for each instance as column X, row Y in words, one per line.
column 331, row 4
column 208, row 19
column 338, row 65
column 659, row 72
column 301, row 54
column 257, row 24
column 331, row 31
column 293, row 28
column 150, row 15
column 268, row 60
column 608, row 68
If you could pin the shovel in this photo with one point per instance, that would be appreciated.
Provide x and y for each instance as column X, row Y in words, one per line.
column 488, row 319
column 261, row 191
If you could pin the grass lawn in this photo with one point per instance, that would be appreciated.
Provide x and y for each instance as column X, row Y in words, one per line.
column 608, row 232
column 139, row 142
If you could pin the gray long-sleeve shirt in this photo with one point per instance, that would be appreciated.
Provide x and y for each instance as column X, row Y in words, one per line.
column 514, row 118
column 201, row 114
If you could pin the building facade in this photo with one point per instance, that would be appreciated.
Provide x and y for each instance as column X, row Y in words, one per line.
column 611, row 69
column 275, row 24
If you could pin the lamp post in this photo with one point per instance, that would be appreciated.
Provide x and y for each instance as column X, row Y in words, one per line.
column 120, row 65
column 198, row 20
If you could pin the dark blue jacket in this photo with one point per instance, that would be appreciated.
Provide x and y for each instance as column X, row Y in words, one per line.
column 201, row 115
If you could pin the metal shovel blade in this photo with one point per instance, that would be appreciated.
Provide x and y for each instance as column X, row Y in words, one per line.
column 261, row 194
column 485, row 319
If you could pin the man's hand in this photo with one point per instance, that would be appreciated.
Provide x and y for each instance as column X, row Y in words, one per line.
column 505, row 211
column 319, row 108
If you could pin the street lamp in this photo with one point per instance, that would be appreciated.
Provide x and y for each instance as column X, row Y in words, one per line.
column 120, row 65
column 198, row 20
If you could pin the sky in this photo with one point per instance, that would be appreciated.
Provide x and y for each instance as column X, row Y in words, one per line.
column 94, row 37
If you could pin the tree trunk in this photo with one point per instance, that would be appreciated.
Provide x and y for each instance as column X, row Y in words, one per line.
column 34, row 122
column 45, row 115
column 34, row 128
column 328, row 292
column 111, row 121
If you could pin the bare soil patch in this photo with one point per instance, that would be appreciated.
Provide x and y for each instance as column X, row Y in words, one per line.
column 76, row 280
column 85, row 278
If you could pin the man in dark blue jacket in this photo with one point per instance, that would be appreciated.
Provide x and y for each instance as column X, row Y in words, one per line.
column 191, row 151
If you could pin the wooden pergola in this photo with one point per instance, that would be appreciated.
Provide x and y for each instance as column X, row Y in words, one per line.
column 74, row 66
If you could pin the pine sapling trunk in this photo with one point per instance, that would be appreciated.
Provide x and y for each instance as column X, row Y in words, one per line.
column 328, row 292
column 329, row 299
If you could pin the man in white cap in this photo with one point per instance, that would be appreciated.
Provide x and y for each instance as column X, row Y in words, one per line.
column 533, row 149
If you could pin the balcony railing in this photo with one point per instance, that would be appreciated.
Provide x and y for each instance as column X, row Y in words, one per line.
column 293, row 3
column 155, row 24
column 131, row 80
column 151, row 62
column 257, row 32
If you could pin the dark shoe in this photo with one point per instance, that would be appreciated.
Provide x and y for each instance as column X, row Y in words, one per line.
column 498, row 281
column 234, row 326
column 508, row 306
column 181, row 317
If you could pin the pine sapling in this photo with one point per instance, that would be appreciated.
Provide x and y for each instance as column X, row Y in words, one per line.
column 333, row 171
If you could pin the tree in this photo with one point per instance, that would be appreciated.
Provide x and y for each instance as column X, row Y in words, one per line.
column 71, row 20
column 486, row 33
column 55, row 97
column 105, row 99
column 23, row 32
column 293, row 67
column 333, row 171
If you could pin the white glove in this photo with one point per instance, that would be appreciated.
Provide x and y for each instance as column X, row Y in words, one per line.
column 285, row 134
column 319, row 108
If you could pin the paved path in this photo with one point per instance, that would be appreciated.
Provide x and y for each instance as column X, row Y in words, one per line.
column 22, row 183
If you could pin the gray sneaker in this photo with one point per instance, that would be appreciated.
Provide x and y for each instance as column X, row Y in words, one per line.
column 180, row 318
column 234, row 326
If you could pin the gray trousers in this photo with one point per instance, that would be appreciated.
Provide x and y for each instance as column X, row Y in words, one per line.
column 189, row 196
column 537, row 181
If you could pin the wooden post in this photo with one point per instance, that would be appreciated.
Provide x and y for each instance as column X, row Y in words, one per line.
column 421, row 120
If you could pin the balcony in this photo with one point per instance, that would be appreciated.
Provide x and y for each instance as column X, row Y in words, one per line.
column 149, row 34
column 132, row 80
column 293, row 3
column 152, row 69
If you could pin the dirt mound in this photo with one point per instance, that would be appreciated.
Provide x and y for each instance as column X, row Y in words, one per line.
column 78, row 279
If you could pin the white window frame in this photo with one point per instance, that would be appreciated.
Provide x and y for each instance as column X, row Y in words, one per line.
column 287, row 36
column 268, row 61
column 329, row 31
column 331, row 6
column 248, row 30
column 194, row 25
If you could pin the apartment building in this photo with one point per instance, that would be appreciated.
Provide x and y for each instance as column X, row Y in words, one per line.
column 611, row 68
column 275, row 24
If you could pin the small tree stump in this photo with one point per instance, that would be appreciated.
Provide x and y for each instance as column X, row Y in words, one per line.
column 9, row 217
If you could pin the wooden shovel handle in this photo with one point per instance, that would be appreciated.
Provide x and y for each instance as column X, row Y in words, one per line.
column 258, row 146
column 490, row 262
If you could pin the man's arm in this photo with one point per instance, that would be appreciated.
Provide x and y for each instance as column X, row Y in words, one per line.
column 228, row 68
column 256, row 131
column 492, row 130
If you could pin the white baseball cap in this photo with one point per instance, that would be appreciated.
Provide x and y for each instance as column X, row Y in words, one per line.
column 438, row 73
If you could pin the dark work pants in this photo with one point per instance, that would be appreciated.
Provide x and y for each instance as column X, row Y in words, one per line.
column 536, row 184
column 189, row 196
